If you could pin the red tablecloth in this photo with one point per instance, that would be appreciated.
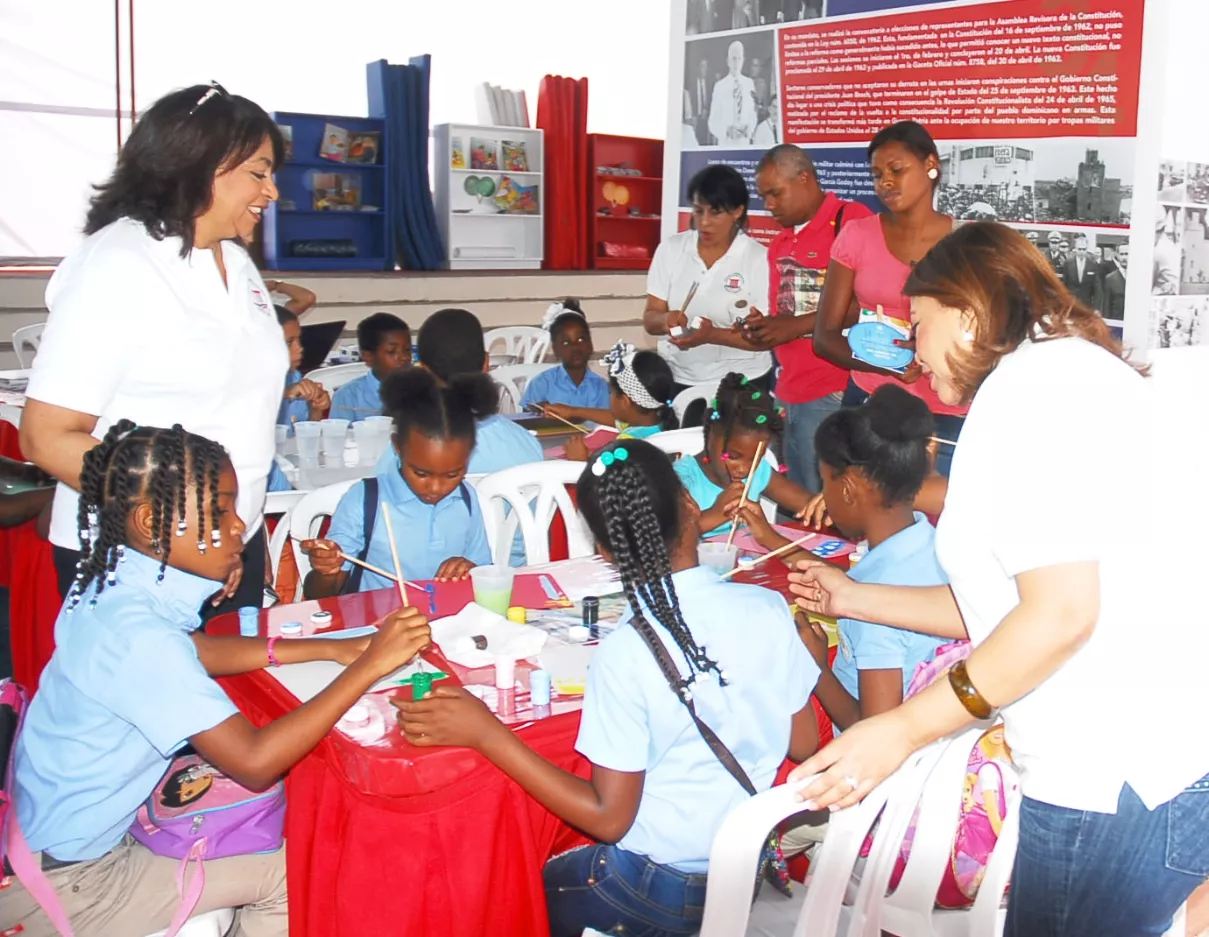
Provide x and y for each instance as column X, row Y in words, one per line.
column 401, row 840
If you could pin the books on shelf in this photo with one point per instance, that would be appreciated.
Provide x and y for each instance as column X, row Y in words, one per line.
column 457, row 153
column 287, row 139
column 484, row 154
column 334, row 144
column 336, row 191
column 515, row 158
column 516, row 199
column 363, row 147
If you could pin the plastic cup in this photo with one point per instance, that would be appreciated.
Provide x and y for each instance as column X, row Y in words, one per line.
column 505, row 672
column 385, row 426
column 281, row 432
column 366, row 436
column 717, row 556
column 307, row 433
column 249, row 621
column 493, row 587
column 334, row 432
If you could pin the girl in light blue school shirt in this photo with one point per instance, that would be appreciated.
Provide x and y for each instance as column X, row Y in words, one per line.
column 740, row 421
column 640, row 399
column 873, row 460
column 131, row 682
column 657, row 793
column 435, row 515
column 573, row 382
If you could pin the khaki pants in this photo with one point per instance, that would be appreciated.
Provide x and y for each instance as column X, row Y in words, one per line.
column 806, row 830
column 131, row 892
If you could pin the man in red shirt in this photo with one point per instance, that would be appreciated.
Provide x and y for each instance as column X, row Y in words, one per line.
column 809, row 386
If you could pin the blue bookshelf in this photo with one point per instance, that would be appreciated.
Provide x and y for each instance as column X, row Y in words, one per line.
column 368, row 231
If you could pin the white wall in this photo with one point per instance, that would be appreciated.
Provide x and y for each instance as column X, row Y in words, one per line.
column 293, row 56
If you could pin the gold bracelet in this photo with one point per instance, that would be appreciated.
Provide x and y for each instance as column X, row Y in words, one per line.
column 973, row 701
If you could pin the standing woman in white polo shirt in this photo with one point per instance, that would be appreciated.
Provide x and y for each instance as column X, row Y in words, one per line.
column 714, row 271
column 160, row 316
column 1089, row 627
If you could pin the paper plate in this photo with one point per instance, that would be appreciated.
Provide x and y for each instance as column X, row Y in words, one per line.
column 874, row 342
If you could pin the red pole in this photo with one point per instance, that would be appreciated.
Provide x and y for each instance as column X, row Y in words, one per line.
column 130, row 15
column 117, row 67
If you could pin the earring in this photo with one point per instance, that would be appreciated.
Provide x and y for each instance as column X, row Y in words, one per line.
column 967, row 337
column 933, row 173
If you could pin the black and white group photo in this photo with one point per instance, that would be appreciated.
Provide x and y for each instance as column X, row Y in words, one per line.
column 1092, row 263
column 1179, row 321
column 711, row 16
column 730, row 92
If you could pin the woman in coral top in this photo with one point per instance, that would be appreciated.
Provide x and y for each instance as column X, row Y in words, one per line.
column 871, row 260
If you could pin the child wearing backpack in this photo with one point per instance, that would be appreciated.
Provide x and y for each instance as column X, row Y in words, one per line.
column 437, row 521
column 684, row 716
column 131, row 683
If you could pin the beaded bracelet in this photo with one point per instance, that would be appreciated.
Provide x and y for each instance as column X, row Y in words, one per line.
column 973, row 701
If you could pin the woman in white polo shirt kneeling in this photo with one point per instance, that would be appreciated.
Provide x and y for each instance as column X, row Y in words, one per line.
column 1088, row 625
column 714, row 273
column 161, row 317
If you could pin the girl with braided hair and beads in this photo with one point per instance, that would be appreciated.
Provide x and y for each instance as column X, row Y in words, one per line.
column 658, row 790
column 740, row 421
column 131, row 682
column 640, row 398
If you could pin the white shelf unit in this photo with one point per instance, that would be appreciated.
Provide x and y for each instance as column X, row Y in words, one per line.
column 477, row 235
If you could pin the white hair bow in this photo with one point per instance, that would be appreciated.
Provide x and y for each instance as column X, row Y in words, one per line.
column 554, row 310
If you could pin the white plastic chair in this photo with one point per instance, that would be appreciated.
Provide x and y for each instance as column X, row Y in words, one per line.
column 279, row 503
column 335, row 377
column 527, row 342
column 512, row 380
column 211, row 924
column 683, row 399
column 529, row 496
column 25, row 342
column 306, row 519
column 689, row 442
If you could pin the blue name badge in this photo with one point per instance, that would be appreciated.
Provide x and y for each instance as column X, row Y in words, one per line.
column 873, row 342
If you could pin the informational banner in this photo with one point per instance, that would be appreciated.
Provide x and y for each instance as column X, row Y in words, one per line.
column 1033, row 105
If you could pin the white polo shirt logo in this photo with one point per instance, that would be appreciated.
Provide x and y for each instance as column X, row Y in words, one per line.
column 259, row 299
column 733, row 283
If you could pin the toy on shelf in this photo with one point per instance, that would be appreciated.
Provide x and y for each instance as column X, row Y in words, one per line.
column 515, row 198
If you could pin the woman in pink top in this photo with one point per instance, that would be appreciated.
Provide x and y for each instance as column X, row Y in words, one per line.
column 871, row 260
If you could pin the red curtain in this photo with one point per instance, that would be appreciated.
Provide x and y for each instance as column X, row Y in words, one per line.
column 562, row 112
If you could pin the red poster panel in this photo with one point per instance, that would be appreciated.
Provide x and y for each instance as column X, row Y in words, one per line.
column 1015, row 69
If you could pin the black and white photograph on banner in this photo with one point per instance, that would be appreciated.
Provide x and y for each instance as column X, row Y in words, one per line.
column 1168, row 236
column 711, row 16
column 730, row 91
column 1091, row 262
column 1197, row 184
column 1173, row 181
column 1193, row 277
column 1083, row 181
column 987, row 181
column 1179, row 321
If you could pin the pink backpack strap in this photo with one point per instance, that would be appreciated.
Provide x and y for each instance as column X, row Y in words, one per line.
column 191, row 894
column 29, row 873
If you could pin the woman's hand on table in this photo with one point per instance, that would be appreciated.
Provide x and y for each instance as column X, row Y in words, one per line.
column 448, row 715
column 814, row 515
column 823, row 589
column 814, row 637
column 855, row 763
column 456, row 567
column 326, row 556
column 576, row 450
column 401, row 635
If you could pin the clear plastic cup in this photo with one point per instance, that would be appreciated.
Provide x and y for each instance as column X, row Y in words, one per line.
column 334, row 433
column 367, row 436
column 717, row 556
column 307, row 433
column 493, row 587
column 281, row 432
column 385, row 426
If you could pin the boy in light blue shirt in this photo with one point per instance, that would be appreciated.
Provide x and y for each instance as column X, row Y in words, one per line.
column 437, row 522
column 873, row 460
column 385, row 343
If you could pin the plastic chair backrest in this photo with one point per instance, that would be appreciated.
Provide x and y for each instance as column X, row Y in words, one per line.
column 305, row 519
column 527, row 342
column 25, row 342
column 681, row 401
column 335, row 377
column 512, row 380
column 280, row 503
column 529, row 496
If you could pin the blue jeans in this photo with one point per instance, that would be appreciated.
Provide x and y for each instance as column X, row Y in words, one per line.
column 1084, row 874
column 801, row 423
column 619, row 892
column 947, row 427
